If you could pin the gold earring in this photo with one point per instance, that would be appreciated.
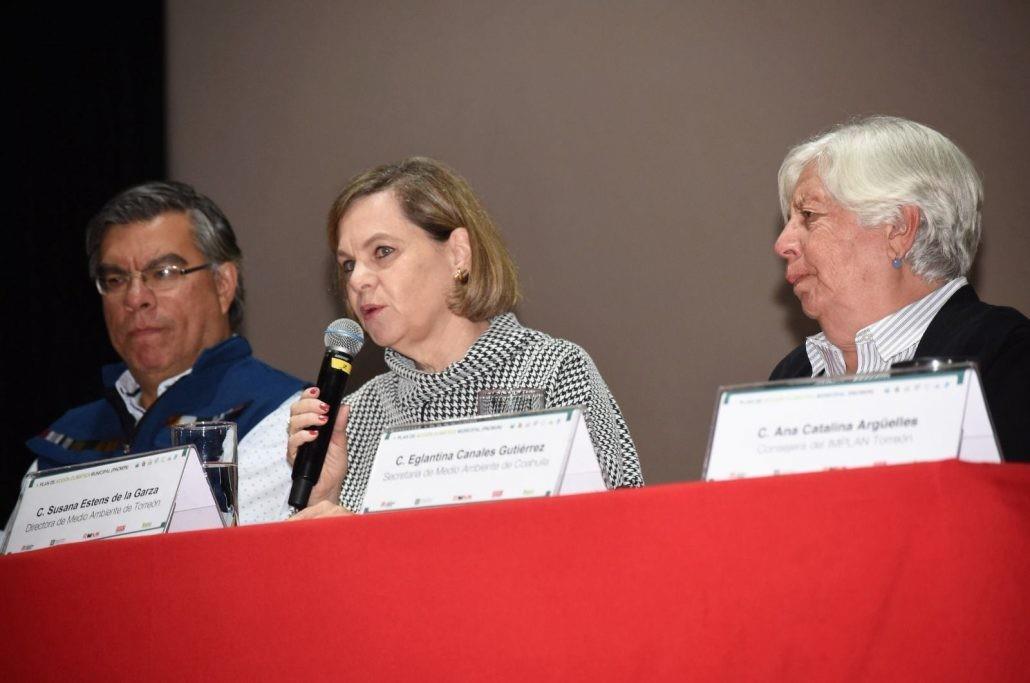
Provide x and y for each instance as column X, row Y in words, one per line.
column 461, row 276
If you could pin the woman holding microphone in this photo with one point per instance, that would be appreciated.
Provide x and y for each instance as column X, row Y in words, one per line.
column 425, row 272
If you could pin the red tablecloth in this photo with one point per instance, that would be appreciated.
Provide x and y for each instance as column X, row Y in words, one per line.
column 917, row 572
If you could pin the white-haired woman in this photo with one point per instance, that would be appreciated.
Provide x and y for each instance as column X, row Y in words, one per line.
column 882, row 225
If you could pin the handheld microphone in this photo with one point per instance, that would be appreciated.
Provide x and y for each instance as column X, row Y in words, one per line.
column 343, row 340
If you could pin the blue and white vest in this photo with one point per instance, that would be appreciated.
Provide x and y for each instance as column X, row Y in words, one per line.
column 226, row 383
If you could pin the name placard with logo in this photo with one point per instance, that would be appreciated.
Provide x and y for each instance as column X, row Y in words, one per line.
column 137, row 495
column 818, row 424
column 541, row 453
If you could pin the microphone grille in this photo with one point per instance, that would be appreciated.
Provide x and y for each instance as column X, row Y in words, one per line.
column 344, row 335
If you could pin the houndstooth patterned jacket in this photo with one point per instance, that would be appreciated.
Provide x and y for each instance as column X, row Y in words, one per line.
column 507, row 355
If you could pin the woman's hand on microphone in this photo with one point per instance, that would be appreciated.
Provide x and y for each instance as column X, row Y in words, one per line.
column 306, row 414
column 321, row 509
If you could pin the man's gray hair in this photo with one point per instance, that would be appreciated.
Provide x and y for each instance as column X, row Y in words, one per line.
column 212, row 233
column 876, row 165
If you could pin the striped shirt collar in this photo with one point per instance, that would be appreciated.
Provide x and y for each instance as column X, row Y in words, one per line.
column 887, row 341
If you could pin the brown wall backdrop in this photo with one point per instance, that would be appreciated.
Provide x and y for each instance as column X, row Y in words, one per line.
column 628, row 151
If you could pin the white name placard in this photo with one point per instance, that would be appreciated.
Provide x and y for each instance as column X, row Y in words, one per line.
column 855, row 421
column 136, row 495
column 541, row 453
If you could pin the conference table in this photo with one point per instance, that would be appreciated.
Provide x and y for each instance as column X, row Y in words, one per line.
column 904, row 572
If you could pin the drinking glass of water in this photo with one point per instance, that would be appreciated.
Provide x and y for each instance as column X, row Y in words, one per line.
column 513, row 400
column 216, row 445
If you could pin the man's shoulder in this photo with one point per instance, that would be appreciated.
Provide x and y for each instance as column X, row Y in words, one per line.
column 262, row 386
column 87, row 432
column 87, row 413
column 241, row 365
column 255, row 365
column 235, row 386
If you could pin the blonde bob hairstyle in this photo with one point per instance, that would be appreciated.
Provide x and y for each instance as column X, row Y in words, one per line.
column 439, row 201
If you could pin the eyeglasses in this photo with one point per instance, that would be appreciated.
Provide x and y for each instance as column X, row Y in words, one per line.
column 155, row 278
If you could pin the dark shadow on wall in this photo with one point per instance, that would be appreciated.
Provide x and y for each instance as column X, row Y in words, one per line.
column 86, row 88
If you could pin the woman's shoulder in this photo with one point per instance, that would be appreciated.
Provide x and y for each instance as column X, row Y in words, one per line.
column 967, row 326
column 543, row 346
column 795, row 364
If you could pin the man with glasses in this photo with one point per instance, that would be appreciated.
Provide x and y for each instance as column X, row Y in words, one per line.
column 166, row 264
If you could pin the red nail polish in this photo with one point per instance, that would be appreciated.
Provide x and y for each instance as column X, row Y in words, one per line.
column 323, row 418
column 324, row 407
column 313, row 432
column 313, row 391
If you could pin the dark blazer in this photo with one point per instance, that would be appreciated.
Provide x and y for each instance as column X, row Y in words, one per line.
column 996, row 337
